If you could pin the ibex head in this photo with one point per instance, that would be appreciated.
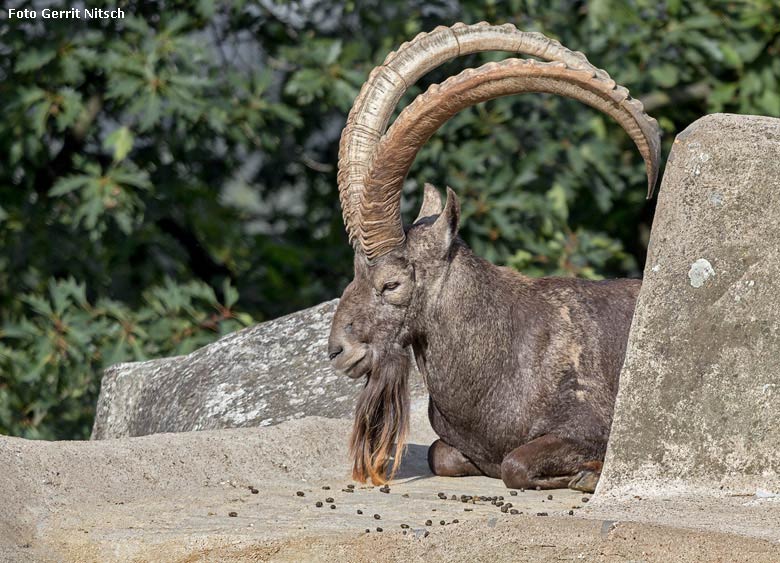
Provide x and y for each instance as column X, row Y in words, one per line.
column 396, row 270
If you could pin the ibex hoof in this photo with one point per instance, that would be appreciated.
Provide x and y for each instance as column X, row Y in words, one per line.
column 585, row 481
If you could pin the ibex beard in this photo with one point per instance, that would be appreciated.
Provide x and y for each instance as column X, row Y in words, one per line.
column 522, row 373
column 381, row 417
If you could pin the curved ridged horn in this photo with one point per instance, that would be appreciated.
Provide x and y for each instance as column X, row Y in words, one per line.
column 381, row 229
column 386, row 84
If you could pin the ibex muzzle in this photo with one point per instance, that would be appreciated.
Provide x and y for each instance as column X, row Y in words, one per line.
column 522, row 373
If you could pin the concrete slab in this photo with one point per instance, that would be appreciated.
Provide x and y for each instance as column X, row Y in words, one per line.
column 699, row 394
column 169, row 497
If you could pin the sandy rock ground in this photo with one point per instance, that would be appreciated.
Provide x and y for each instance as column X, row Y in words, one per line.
column 169, row 497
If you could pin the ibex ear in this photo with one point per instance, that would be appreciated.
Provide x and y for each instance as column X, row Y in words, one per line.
column 431, row 204
column 445, row 227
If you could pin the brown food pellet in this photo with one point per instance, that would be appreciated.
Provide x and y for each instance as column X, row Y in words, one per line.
column 384, row 490
column 333, row 507
column 513, row 493
column 549, row 497
column 442, row 496
column 347, row 490
column 541, row 514
column 453, row 497
column 514, row 511
column 468, row 510
column 379, row 529
column 232, row 514
column 359, row 511
column 318, row 504
column 499, row 503
column 325, row 488
column 442, row 522
column 254, row 491
column 426, row 534
column 350, row 486
column 405, row 495
column 504, row 509
column 377, row 517
column 428, row 523
column 571, row 513
column 455, row 521
column 500, row 498
column 585, row 499
column 368, row 531
column 329, row 499
column 299, row 493
column 404, row 526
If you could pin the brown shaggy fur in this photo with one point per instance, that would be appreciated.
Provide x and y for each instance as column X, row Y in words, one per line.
column 381, row 418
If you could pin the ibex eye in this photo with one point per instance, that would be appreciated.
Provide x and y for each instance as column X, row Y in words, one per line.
column 390, row 286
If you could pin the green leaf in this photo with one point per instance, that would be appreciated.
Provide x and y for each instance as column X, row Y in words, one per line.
column 666, row 75
column 121, row 141
column 66, row 185
column 33, row 59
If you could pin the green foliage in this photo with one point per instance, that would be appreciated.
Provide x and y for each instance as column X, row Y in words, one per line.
column 52, row 352
column 163, row 172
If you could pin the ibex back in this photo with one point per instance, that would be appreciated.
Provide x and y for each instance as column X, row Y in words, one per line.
column 522, row 373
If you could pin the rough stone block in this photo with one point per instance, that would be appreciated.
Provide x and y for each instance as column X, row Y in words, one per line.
column 259, row 376
column 699, row 399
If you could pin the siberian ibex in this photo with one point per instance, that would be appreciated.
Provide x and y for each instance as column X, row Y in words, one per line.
column 522, row 373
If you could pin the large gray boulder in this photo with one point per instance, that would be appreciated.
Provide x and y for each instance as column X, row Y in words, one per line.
column 699, row 395
column 259, row 376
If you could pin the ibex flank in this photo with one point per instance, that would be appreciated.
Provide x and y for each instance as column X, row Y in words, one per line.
column 522, row 373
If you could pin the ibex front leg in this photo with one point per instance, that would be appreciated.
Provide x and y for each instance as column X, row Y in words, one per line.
column 550, row 462
column 446, row 461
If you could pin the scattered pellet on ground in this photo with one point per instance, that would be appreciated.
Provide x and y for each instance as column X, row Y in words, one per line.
column 318, row 504
column 359, row 511
column 333, row 507
column 299, row 493
column 428, row 523
column 377, row 517
column 585, row 499
column 232, row 514
column 549, row 497
column 541, row 514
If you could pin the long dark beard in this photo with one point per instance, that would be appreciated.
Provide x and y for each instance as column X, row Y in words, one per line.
column 381, row 418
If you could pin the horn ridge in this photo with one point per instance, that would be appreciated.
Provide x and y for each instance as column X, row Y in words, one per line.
column 380, row 228
column 374, row 105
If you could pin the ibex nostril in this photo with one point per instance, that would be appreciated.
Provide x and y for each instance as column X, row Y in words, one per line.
column 334, row 352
